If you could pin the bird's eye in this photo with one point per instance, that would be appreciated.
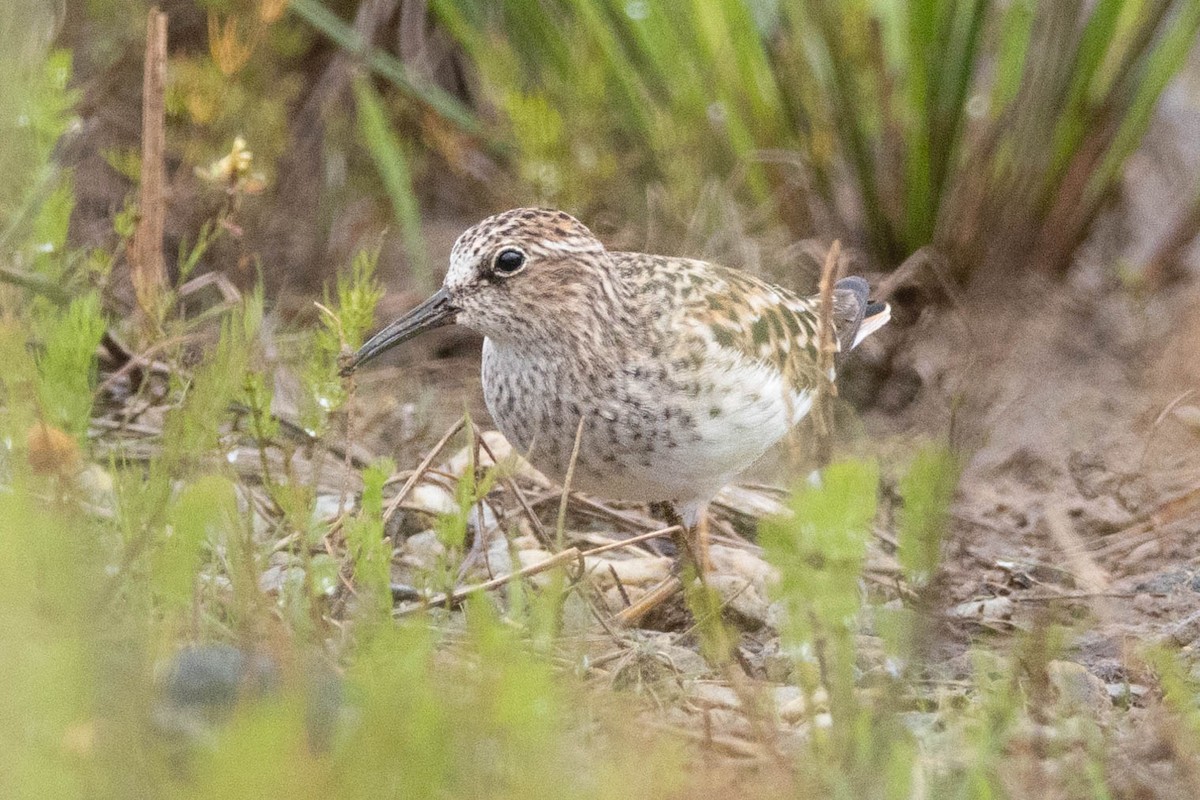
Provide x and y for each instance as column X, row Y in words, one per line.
column 508, row 262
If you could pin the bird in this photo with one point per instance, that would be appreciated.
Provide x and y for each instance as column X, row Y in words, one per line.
column 673, row 374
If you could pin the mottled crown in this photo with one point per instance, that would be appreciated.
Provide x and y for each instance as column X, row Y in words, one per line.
column 543, row 232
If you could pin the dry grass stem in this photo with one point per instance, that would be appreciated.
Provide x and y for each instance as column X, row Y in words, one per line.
column 1090, row 575
column 651, row 600
column 828, row 343
column 394, row 504
column 1145, row 529
column 511, row 484
column 560, row 524
column 149, row 269
column 632, row 540
column 459, row 595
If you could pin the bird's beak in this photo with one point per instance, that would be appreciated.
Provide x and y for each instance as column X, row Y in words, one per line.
column 435, row 312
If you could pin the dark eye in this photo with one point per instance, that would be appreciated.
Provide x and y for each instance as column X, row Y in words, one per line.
column 508, row 262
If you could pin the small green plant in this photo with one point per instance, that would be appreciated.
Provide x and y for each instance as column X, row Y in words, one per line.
column 864, row 750
column 925, row 490
column 820, row 552
column 370, row 550
column 344, row 325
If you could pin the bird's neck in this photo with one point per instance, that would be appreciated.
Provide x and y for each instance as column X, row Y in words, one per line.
column 593, row 309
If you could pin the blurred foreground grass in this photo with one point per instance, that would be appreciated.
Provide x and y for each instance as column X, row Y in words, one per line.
column 143, row 657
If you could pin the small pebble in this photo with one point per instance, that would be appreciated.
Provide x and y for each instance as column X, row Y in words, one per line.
column 714, row 695
column 422, row 551
column 328, row 506
column 1143, row 552
column 1146, row 604
column 642, row 571
column 1078, row 689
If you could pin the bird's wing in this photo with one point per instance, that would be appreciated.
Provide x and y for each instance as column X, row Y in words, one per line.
column 737, row 312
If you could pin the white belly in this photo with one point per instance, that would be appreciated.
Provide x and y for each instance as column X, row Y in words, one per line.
column 643, row 439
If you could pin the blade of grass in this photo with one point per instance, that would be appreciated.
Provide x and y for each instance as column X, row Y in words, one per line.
column 1162, row 63
column 1016, row 28
column 849, row 114
column 392, row 164
column 920, row 78
column 949, row 126
column 1093, row 47
column 386, row 66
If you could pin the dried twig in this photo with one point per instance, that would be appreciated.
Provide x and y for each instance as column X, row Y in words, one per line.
column 511, row 484
column 827, row 347
column 1051, row 598
column 561, row 524
column 1145, row 528
column 828, row 336
column 730, row 745
column 1089, row 574
column 458, row 595
column 1158, row 421
column 1083, row 566
column 612, row 570
column 641, row 537
column 394, row 504
column 649, row 601
column 149, row 269
column 628, row 519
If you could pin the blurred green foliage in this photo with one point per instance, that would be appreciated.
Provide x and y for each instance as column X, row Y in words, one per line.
column 345, row 319
column 992, row 130
column 393, row 165
column 926, row 491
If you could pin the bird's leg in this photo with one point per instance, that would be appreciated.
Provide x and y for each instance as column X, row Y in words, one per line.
column 717, row 640
column 669, row 514
column 691, row 540
column 700, row 536
column 692, row 544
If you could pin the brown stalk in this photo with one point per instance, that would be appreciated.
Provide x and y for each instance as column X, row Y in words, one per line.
column 628, row 519
column 511, row 484
column 149, row 269
column 826, row 349
column 458, row 595
column 1146, row 528
column 561, row 523
column 633, row 614
column 642, row 537
column 1082, row 565
column 394, row 504
column 828, row 336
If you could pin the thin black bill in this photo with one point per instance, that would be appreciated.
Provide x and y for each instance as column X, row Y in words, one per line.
column 433, row 313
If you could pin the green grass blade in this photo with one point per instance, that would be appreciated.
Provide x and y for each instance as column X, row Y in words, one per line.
column 920, row 78
column 392, row 163
column 851, row 117
column 1093, row 47
column 1015, row 29
column 953, row 108
column 385, row 65
column 1177, row 40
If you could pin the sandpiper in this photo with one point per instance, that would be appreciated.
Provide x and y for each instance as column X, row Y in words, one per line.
column 675, row 374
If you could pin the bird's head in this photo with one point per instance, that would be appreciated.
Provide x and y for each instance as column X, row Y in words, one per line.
column 513, row 275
